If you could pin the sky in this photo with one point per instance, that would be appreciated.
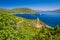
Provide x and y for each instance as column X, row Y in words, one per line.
column 33, row 4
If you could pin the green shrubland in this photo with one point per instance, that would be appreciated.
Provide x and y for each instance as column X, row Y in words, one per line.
column 17, row 28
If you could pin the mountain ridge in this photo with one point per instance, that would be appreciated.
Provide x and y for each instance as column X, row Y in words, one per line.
column 19, row 10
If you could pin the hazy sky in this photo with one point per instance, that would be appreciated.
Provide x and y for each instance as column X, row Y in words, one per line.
column 34, row 4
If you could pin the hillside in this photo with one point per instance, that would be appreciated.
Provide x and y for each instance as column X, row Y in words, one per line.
column 23, row 10
column 18, row 10
column 8, row 19
column 17, row 28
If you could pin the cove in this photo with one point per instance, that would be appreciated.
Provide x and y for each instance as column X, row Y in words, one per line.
column 50, row 18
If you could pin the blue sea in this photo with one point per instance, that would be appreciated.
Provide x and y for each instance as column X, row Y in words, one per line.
column 50, row 18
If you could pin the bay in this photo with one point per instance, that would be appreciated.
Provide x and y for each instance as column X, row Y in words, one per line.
column 50, row 18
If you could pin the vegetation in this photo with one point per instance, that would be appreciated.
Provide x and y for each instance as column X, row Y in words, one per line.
column 23, row 10
column 18, row 10
column 17, row 28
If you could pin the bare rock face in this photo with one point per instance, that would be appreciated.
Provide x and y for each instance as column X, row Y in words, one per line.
column 40, row 24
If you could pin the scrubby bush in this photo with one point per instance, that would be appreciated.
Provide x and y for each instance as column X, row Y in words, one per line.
column 10, row 31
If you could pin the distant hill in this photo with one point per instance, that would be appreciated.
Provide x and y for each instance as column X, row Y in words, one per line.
column 23, row 10
column 17, row 10
column 58, row 10
column 3, row 10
